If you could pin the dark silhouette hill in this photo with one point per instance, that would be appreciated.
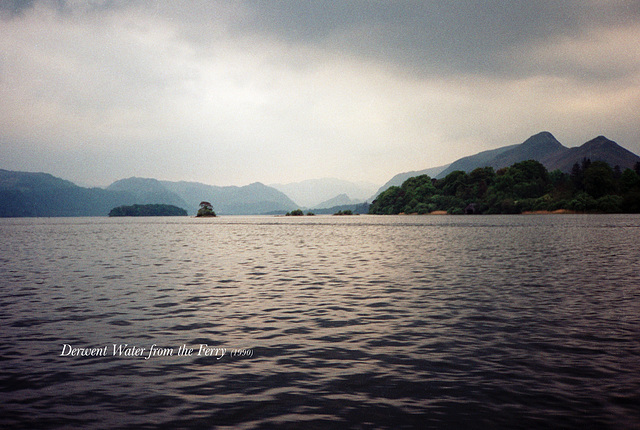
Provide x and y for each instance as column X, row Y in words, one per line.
column 538, row 147
column 27, row 194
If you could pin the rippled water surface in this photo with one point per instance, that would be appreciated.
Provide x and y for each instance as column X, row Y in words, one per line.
column 346, row 322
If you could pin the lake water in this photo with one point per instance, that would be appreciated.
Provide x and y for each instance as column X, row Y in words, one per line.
column 321, row 322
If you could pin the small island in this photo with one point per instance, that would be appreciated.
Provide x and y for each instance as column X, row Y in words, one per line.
column 148, row 210
column 206, row 210
column 298, row 212
column 344, row 212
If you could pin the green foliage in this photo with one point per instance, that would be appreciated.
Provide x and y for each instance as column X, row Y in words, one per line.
column 296, row 212
column 609, row 204
column 629, row 180
column 582, row 202
column 599, row 179
column 345, row 212
column 206, row 210
column 148, row 210
column 522, row 187
column 387, row 203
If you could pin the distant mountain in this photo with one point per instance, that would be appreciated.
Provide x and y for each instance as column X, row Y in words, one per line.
column 340, row 200
column 43, row 195
column 398, row 179
column 27, row 194
column 360, row 208
column 148, row 191
column 253, row 199
column 313, row 192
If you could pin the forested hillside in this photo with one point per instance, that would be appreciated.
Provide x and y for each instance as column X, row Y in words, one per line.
column 525, row 186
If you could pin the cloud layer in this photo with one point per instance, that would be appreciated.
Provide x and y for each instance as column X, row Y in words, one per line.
column 281, row 91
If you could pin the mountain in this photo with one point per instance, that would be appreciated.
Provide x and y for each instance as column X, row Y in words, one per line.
column 41, row 194
column 598, row 149
column 149, row 191
column 398, row 179
column 339, row 200
column 253, row 199
column 543, row 147
column 313, row 192
column 481, row 159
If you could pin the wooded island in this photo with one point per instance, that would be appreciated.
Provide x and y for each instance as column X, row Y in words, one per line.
column 591, row 187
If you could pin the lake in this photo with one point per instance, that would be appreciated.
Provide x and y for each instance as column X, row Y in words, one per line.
column 383, row 322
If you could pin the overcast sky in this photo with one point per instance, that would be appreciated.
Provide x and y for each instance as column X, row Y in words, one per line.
column 234, row 92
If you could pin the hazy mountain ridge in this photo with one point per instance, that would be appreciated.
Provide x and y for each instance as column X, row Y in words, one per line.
column 28, row 194
column 314, row 193
column 149, row 191
column 339, row 200
column 25, row 180
column 250, row 199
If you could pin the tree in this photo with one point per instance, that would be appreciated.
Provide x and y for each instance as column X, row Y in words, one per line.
column 629, row 181
column 524, row 186
column 598, row 179
column 531, row 179
column 206, row 209
column 452, row 183
column 481, row 179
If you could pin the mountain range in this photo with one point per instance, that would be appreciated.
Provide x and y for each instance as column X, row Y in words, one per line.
column 326, row 192
column 542, row 147
column 41, row 194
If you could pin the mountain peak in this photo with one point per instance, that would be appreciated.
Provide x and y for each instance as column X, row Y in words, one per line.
column 599, row 141
column 134, row 181
column 543, row 139
column 597, row 149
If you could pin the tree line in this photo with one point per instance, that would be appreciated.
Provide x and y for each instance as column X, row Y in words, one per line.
column 148, row 210
column 525, row 186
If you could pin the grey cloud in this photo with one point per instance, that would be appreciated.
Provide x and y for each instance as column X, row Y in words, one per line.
column 16, row 8
column 240, row 91
column 435, row 37
column 12, row 8
column 428, row 38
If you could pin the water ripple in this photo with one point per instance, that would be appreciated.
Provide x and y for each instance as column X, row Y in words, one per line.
column 361, row 322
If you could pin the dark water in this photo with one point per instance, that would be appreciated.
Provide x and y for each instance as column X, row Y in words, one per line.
column 346, row 322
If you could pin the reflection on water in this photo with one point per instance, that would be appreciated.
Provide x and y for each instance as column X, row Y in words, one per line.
column 352, row 322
